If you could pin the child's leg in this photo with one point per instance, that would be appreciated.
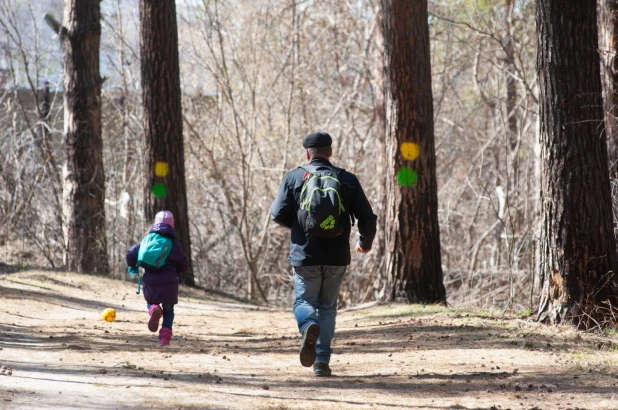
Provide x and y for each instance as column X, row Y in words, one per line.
column 168, row 315
column 165, row 334
column 155, row 313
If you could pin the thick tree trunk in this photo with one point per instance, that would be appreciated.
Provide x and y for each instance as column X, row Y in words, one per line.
column 608, row 36
column 412, row 235
column 164, row 160
column 578, row 255
column 83, row 174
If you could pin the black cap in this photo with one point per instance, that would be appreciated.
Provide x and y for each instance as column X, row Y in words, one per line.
column 317, row 139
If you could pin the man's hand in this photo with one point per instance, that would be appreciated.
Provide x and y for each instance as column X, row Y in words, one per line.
column 360, row 249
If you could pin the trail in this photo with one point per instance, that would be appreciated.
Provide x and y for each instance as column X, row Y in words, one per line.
column 229, row 355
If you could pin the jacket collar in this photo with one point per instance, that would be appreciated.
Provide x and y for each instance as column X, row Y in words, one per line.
column 163, row 229
column 320, row 161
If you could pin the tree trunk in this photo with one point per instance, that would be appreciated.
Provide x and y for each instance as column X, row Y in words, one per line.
column 511, row 81
column 377, row 285
column 165, row 187
column 578, row 255
column 83, row 175
column 608, row 36
column 412, row 235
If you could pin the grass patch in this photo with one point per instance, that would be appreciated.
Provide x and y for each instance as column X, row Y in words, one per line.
column 398, row 311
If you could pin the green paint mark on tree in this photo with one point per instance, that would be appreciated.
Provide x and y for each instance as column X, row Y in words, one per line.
column 407, row 177
column 159, row 190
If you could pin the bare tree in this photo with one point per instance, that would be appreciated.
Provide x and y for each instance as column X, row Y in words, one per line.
column 487, row 189
column 32, row 198
column 377, row 281
column 413, row 235
column 578, row 248
column 250, row 107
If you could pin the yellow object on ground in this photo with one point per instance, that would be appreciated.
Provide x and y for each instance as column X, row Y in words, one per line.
column 109, row 315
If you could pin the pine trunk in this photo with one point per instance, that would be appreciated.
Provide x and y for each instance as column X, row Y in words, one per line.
column 83, row 175
column 413, row 260
column 165, row 186
column 578, row 254
column 608, row 35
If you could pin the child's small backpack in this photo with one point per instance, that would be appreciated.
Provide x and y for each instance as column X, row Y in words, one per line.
column 153, row 251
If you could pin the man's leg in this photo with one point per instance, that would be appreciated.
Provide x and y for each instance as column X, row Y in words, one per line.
column 307, row 284
column 306, row 288
column 332, row 277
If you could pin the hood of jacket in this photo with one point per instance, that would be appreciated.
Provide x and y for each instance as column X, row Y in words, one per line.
column 163, row 229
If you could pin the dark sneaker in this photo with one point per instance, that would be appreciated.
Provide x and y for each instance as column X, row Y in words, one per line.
column 307, row 346
column 321, row 369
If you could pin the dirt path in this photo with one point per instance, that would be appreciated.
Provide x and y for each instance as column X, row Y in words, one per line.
column 228, row 355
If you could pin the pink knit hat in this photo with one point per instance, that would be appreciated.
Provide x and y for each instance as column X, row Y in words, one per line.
column 165, row 217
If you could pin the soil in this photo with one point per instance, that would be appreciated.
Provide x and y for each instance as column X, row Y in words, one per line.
column 57, row 353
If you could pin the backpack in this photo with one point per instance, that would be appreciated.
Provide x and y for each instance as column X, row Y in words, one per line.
column 153, row 251
column 321, row 212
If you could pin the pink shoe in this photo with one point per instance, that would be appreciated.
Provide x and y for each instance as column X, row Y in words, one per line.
column 165, row 336
column 155, row 312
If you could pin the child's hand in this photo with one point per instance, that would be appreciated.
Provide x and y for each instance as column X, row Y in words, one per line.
column 133, row 270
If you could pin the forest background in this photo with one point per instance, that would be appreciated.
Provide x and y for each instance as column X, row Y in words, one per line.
column 256, row 77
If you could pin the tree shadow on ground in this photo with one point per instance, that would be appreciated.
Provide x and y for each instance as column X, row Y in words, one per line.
column 54, row 298
column 440, row 386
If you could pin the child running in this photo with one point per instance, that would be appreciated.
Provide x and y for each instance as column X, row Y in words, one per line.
column 161, row 282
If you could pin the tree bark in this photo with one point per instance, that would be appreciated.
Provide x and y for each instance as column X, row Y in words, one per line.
column 511, row 81
column 83, row 174
column 163, row 139
column 578, row 256
column 412, row 235
column 608, row 36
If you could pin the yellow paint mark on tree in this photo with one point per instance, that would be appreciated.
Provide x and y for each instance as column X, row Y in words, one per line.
column 409, row 150
column 161, row 169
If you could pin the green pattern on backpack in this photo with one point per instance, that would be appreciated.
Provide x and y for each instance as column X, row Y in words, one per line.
column 153, row 251
column 321, row 205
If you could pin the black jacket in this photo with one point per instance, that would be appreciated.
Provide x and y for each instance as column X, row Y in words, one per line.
column 308, row 251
